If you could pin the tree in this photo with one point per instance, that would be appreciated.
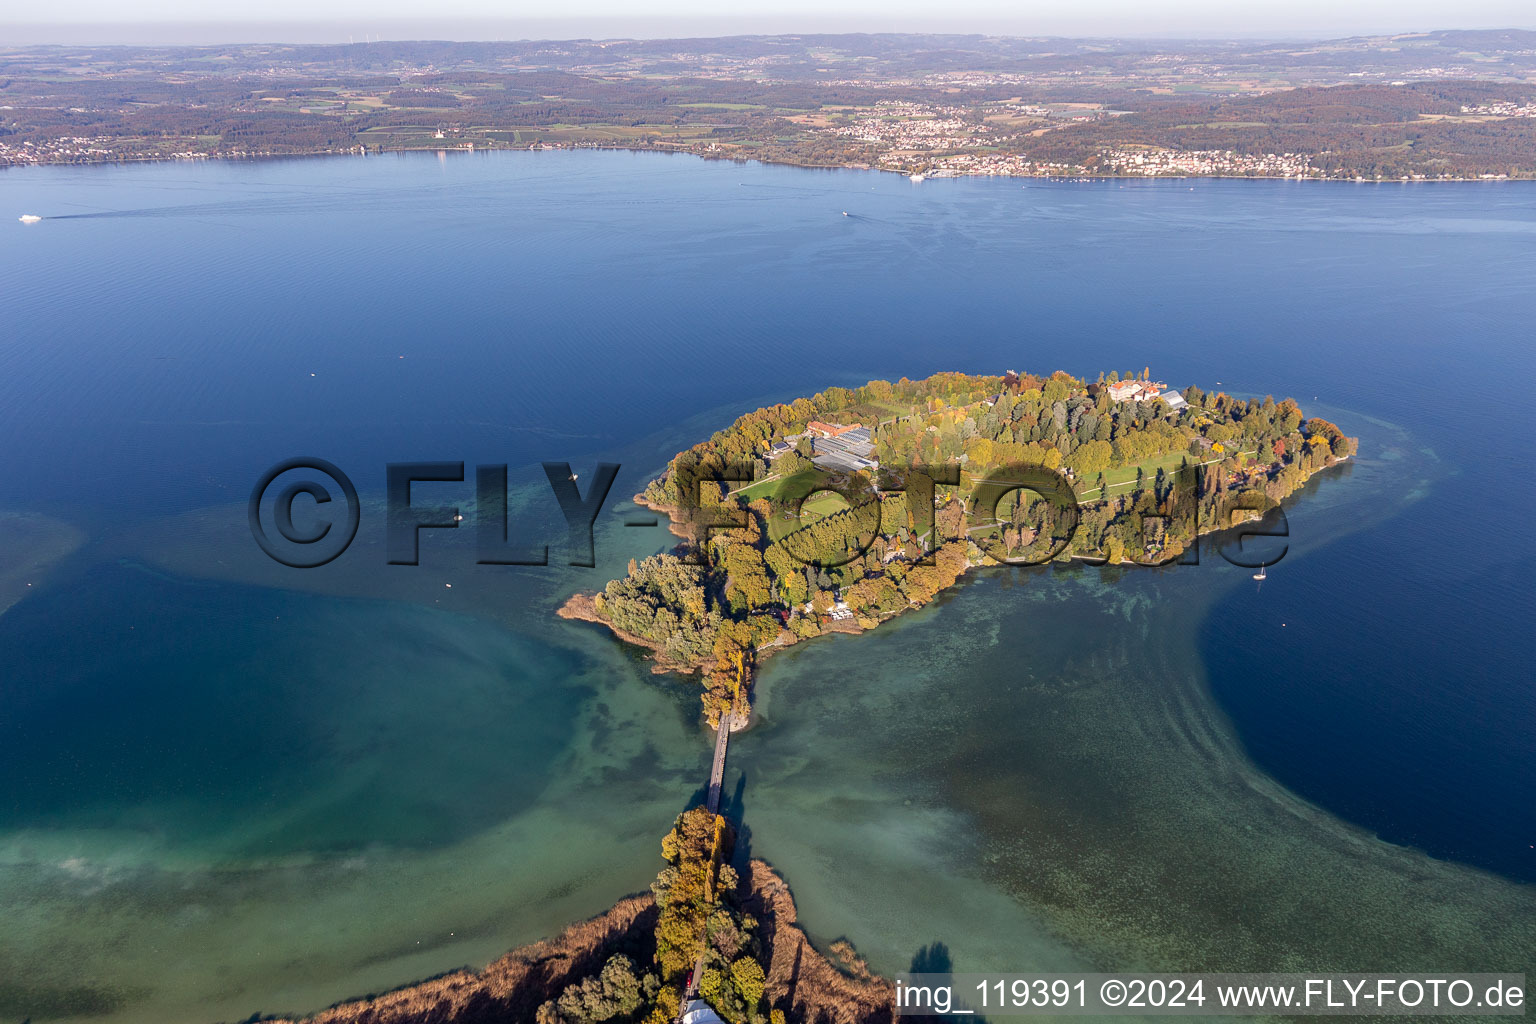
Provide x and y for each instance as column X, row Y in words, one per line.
column 1090, row 458
column 615, row 992
column 747, row 975
column 981, row 451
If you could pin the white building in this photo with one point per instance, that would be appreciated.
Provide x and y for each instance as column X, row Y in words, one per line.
column 1146, row 391
column 698, row 1012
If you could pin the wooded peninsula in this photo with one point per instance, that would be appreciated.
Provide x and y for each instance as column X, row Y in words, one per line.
column 837, row 512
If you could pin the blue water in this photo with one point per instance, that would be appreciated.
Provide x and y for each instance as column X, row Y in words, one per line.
column 171, row 331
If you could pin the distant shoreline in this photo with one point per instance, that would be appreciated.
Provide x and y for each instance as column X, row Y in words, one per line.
column 1085, row 176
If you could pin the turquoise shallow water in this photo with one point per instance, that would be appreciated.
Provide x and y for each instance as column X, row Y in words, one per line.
column 231, row 787
column 405, row 789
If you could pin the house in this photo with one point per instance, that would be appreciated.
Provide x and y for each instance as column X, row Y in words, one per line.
column 779, row 448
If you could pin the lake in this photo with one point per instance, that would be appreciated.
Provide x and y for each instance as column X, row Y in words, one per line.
column 232, row 787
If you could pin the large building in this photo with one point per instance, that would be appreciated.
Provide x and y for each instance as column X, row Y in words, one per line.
column 1146, row 391
column 1135, row 390
column 842, row 449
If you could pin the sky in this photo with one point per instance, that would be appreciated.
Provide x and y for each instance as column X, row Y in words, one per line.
column 182, row 21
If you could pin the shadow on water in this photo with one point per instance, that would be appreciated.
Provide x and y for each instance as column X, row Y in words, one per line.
column 733, row 807
column 933, row 958
column 935, row 963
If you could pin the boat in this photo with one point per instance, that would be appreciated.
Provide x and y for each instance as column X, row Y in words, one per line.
column 845, row 213
column 29, row 218
column 917, row 177
column 1260, row 575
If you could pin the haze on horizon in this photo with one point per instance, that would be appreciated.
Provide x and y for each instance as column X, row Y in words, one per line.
column 80, row 22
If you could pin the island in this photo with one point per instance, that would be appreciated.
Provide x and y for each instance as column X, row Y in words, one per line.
column 837, row 512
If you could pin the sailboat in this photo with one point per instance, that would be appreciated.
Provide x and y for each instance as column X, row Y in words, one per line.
column 29, row 218
column 1260, row 575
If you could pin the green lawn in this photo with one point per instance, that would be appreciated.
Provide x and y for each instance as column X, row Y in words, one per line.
column 761, row 489
column 1125, row 476
column 821, row 505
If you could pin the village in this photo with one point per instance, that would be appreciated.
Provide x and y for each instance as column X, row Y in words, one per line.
column 1506, row 109
column 1153, row 162
column 904, row 125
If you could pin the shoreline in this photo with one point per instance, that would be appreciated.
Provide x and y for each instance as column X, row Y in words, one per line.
column 1084, row 176
column 581, row 607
